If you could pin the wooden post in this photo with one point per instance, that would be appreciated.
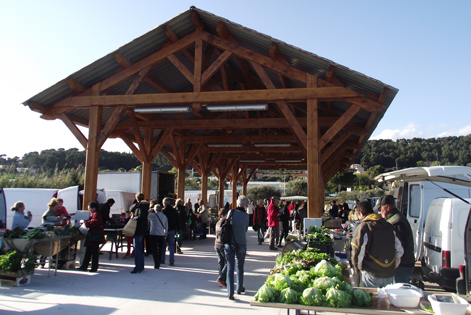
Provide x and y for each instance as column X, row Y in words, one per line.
column 146, row 179
column 204, row 187
column 91, row 158
column 315, row 184
column 221, row 192
column 181, row 183
column 234, row 171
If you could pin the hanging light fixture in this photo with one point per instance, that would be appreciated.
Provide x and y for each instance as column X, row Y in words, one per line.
column 240, row 107
column 173, row 109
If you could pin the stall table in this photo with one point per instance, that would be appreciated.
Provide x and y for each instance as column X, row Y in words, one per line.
column 381, row 306
column 116, row 237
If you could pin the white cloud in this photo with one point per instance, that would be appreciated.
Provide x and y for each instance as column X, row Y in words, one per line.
column 463, row 131
column 413, row 131
column 408, row 132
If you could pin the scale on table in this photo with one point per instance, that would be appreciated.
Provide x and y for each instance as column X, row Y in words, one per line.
column 81, row 215
column 308, row 222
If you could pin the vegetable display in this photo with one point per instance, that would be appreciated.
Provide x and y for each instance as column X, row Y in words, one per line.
column 320, row 285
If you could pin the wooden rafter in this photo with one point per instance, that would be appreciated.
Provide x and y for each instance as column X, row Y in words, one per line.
column 75, row 131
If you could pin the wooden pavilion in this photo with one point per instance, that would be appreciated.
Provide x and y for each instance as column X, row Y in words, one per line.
column 222, row 98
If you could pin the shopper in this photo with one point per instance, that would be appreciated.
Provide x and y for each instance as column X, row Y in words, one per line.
column 139, row 213
column 219, row 247
column 237, row 247
column 173, row 226
column 95, row 223
column 273, row 223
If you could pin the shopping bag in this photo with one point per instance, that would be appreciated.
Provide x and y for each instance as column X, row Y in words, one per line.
column 130, row 228
column 267, row 234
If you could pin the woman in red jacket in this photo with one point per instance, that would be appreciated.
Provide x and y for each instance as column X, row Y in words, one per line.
column 273, row 223
column 93, row 224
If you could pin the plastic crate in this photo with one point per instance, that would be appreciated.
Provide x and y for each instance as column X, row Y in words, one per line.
column 323, row 248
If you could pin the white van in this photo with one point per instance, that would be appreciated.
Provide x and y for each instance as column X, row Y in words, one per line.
column 35, row 200
column 420, row 186
column 444, row 240
column 123, row 200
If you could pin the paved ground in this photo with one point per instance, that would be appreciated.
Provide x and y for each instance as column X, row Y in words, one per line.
column 189, row 286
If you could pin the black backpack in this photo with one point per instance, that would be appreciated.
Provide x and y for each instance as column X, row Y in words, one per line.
column 226, row 229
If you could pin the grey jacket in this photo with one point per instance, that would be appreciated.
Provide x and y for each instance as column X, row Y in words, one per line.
column 157, row 227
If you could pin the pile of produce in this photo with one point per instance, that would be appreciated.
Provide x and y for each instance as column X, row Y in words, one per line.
column 320, row 285
column 40, row 233
column 13, row 262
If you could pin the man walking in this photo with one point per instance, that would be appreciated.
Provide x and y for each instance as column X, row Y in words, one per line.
column 390, row 213
column 139, row 213
column 173, row 225
column 238, row 246
column 376, row 250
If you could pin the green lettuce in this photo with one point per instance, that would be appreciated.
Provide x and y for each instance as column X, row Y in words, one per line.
column 282, row 282
column 266, row 294
column 338, row 298
column 325, row 269
column 312, row 297
column 289, row 296
column 323, row 283
column 361, row 298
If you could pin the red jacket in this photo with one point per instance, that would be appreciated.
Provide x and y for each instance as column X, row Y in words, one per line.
column 95, row 223
column 273, row 212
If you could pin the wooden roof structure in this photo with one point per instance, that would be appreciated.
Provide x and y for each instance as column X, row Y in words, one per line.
column 315, row 114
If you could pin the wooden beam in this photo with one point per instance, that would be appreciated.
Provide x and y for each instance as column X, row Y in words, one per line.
column 161, row 141
column 338, row 142
column 196, row 19
column 255, row 149
column 339, row 125
column 223, row 123
column 279, row 67
column 215, row 66
column 137, row 131
column 151, row 60
column 169, row 158
column 75, row 131
column 276, row 54
column 292, row 121
column 110, row 125
column 237, row 139
column 133, row 148
column 227, row 97
column 173, row 38
column 76, row 85
column 181, row 67
column 37, row 107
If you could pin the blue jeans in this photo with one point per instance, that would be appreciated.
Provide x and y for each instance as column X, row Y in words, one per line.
column 222, row 265
column 370, row 281
column 401, row 274
column 139, row 253
column 231, row 253
column 171, row 247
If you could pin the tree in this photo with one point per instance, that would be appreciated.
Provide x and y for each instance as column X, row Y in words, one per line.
column 346, row 179
column 262, row 192
column 296, row 187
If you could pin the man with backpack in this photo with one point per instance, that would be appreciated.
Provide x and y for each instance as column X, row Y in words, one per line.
column 237, row 223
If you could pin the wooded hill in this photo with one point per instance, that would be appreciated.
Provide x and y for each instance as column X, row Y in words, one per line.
column 388, row 154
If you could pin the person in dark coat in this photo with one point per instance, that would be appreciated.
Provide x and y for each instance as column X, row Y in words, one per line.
column 173, row 226
column 183, row 224
column 284, row 220
column 260, row 221
column 105, row 210
column 139, row 213
column 92, row 249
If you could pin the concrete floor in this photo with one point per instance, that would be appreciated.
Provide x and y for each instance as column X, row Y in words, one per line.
column 189, row 286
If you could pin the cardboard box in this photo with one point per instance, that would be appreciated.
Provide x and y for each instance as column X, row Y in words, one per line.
column 14, row 282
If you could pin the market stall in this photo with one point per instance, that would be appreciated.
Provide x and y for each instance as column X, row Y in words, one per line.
column 313, row 278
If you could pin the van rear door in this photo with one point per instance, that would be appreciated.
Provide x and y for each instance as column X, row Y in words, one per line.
column 70, row 195
column 3, row 211
column 467, row 256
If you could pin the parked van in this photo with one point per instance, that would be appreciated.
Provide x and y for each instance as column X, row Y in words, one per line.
column 444, row 240
column 123, row 200
column 418, row 187
column 35, row 200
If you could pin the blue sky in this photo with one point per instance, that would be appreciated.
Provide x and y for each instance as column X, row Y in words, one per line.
column 423, row 48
